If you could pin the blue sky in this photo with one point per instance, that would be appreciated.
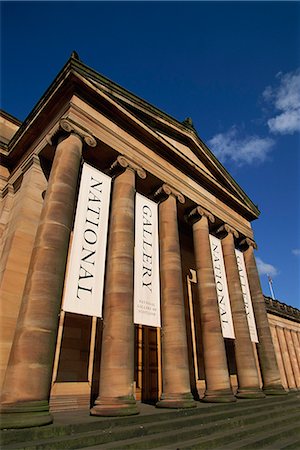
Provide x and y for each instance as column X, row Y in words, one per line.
column 234, row 67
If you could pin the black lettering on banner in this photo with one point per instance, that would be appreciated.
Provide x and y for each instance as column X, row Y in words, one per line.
column 219, row 283
column 90, row 236
column 147, row 247
column 243, row 283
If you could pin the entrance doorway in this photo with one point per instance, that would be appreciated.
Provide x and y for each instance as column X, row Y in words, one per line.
column 147, row 364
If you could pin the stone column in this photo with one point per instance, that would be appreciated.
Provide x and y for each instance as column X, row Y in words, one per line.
column 27, row 384
column 20, row 223
column 286, row 359
column 293, row 357
column 269, row 369
column 117, row 356
column 279, row 358
column 296, row 346
column 248, row 379
column 175, row 369
column 218, row 388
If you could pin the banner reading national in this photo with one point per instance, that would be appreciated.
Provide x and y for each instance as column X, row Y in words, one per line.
column 86, row 267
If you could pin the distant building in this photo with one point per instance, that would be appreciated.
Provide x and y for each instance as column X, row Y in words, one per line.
column 284, row 322
column 162, row 236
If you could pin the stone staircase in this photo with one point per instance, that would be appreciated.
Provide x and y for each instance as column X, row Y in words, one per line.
column 270, row 423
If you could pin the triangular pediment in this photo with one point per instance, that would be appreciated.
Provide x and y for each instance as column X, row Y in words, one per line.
column 176, row 142
column 182, row 139
column 185, row 149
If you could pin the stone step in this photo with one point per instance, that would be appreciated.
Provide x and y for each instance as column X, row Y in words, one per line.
column 276, row 436
column 202, row 437
column 272, row 437
column 160, row 424
column 295, row 445
column 58, row 436
column 81, row 421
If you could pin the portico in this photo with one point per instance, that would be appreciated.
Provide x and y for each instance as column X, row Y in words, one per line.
column 86, row 119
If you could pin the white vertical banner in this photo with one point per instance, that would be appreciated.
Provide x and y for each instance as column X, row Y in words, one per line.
column 246, row 294
column 221, row 287
column 146, row 263
column 85, row 276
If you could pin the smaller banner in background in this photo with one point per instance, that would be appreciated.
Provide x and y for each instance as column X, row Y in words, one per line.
column 221, row 287
column 246, row 294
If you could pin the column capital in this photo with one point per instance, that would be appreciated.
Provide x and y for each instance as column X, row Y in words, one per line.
column 197, row 213
column 122, row 163
column 246, row 243
column 165, row 191
column 68, row 126
column 225, row 229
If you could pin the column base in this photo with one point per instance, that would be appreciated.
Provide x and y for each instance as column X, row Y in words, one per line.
column 175, row 401
column 25, row 415
column 250, row 393
column 276, row 389
column 115, row 406
column 218, row 396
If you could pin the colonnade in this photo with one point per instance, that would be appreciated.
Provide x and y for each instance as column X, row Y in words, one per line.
column 25, row 400
column 286, row 341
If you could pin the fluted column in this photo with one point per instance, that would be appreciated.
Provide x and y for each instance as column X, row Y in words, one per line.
column 218, row 388
column 175, row 369
column 27, row 383
column 279, row 358
column 248, row 379
column 269, row 369
column 286, row 359
column 296, row 346
column 293, row 357
column 117, row 357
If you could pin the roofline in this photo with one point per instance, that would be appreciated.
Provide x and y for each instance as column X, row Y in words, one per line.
column 162, row 114
column 281, row 309
column 10, row 117
column 75, row 66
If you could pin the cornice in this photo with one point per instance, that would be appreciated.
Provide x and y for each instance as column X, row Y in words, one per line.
column 10, row 117
column 281, row 309
column 57, row 82
column 104, row 132
column 185, row 164
column 68, row 81
column 139, row 104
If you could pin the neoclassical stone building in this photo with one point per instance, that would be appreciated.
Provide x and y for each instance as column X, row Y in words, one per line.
column 161, row 238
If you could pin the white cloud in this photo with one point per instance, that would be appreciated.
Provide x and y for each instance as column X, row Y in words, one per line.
column 286, row 123
column 286, row 100
column 265, row 268
column 296, row 251
column 241, row 150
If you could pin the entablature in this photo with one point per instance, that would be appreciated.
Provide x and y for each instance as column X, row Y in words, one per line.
column 72, row 95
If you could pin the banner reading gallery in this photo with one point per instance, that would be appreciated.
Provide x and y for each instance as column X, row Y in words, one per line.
column 146, row 263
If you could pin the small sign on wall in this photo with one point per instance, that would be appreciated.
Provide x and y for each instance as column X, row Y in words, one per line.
column 85, row 275
column 146, row 263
